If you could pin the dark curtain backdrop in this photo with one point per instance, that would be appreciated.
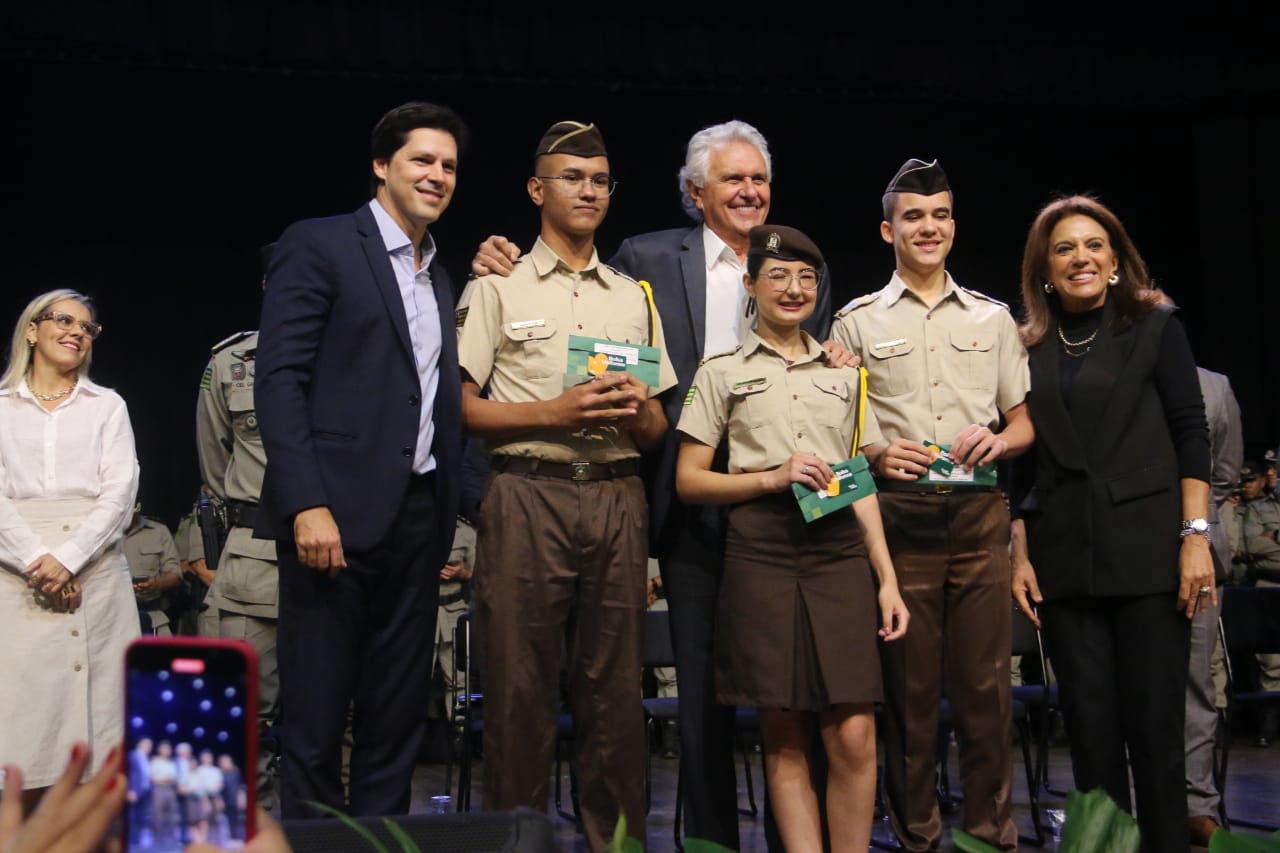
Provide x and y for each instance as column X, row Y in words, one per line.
column 151, row 148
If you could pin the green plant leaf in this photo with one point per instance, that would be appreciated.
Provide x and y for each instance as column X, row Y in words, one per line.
column 967, row 843
column 701, row 845
column 1223, row 841
column 407, row 844
column 377, row 845
column 1095, row 824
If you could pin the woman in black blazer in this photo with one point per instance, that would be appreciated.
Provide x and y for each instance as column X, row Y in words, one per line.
column 1110, row 533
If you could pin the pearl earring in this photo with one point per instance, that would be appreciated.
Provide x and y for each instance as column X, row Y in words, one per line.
column 1114, row 280
column 1048, row 287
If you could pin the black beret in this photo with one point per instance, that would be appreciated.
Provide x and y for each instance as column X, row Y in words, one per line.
column 572, row 137
column 917, row 176
column 783, row 243
column 1252, row 470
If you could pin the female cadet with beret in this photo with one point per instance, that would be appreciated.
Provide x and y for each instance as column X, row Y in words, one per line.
column 798, row 612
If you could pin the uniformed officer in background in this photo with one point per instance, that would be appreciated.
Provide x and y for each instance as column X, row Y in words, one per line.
column 241, row 604
column 152, row 556
column 944, row 363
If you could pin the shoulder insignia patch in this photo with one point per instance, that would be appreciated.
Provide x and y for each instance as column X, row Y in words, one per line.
column 690, row 394
column 461, row 316
column 859, row 302
column 206, row 380
column 228, row 341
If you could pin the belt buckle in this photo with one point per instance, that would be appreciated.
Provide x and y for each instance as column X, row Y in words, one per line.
column 943, row 489
column 581, row 471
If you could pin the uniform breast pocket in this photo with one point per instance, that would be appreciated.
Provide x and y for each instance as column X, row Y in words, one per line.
column 891, row 369
column 538, row 351
column 749, row 402
column 627, row 333
column 244, row 420
column 974, row 358
column 831, row 402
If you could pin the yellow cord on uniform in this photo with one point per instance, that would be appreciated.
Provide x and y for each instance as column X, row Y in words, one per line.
column 861, row 411
column 653, row 310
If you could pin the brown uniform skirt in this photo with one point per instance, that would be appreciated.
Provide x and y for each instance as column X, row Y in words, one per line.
column 797, row 617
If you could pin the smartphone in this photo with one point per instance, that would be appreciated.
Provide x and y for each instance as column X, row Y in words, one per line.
column 191, row 735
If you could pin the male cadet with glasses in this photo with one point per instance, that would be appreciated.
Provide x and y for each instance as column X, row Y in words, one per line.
column 696, row 275
column 359, row 405
column 563, row 535
column 241, row 603
column 943, row 363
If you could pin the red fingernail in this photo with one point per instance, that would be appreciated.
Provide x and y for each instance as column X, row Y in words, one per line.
column 77, row 751
column 111, row 785
column 111, row 756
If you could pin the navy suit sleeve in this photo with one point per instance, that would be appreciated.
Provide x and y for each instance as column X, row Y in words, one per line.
column 295, row 311
column 624, row 261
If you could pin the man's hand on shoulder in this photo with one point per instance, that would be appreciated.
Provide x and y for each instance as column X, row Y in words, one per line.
column 838, row 356
column 319, row 543
column 496, row 256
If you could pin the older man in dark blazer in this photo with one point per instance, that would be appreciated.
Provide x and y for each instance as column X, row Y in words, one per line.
column 358, row 394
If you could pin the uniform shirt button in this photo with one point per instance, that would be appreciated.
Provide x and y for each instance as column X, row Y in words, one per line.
column 795, row 396
column 406, row 452
column 414, row 399
column 935, row 383
column 939, row 417
column 579, row 327
column 800, row 435
column 933, row 349
column 75, row 633
column 76, row 667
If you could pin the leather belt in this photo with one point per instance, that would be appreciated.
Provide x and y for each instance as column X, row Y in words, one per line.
column 452, row 598
column 931, row 488
column 577, row 471
column 241, row 513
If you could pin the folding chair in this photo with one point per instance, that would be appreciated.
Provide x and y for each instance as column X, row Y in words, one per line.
column 1250, row 624
column 468, row 716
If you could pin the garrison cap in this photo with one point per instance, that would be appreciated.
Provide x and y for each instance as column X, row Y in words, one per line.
column 572, row 137
column 919, row 176
column 783, row 243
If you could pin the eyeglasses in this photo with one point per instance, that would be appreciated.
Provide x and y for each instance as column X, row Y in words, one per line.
column 780, row 279
column 66, row 323
column 603, row 184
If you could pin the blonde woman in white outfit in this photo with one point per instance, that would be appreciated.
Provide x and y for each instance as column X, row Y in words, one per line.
column 68, row 479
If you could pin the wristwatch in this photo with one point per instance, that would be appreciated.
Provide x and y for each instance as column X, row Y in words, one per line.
column 1195, row 525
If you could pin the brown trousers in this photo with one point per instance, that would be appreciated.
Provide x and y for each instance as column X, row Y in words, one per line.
column 951, row 554
column 560, row 559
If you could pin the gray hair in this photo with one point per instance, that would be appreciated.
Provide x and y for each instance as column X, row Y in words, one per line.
column 20, row 351
column 697, row 158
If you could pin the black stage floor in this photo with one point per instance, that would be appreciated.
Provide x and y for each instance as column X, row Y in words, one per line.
column 1253, row 793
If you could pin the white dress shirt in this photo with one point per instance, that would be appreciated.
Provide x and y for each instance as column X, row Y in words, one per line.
column 726, row 297
column 82, row 449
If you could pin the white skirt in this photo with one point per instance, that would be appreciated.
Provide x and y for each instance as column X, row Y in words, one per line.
column 62, row 674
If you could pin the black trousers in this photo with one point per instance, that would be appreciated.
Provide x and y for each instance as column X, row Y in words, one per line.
column 364, row 640
column 1122, row 673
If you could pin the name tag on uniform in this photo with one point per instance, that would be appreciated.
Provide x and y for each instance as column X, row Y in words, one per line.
column 527, row 324
column 852, row 482
column 896, row 342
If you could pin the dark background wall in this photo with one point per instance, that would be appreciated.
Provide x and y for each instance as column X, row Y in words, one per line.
column 151, row 148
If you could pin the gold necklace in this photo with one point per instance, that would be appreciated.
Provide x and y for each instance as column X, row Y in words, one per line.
column 1067, row 345
column 57, row 395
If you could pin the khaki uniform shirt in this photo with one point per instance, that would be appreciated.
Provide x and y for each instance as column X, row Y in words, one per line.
column 771, row 408
column 233, row 462
column 150, row 551
column 932, row 371
column 515, row 339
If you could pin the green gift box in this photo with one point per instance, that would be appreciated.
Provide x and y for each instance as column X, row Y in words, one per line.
column 588, row 353
column 854, row 481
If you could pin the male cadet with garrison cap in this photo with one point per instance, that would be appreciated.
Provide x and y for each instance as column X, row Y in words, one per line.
column 241, row 604
column 564, row 534
column 152, row 557
column 943, row 363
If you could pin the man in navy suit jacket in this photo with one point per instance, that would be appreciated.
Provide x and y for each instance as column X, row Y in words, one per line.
column 359, row 401
column 696, row 276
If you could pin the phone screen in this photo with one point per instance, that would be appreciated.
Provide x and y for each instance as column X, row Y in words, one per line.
column 191, row 729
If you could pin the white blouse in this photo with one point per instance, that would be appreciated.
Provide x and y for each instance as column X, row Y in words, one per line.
column 82, row 449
